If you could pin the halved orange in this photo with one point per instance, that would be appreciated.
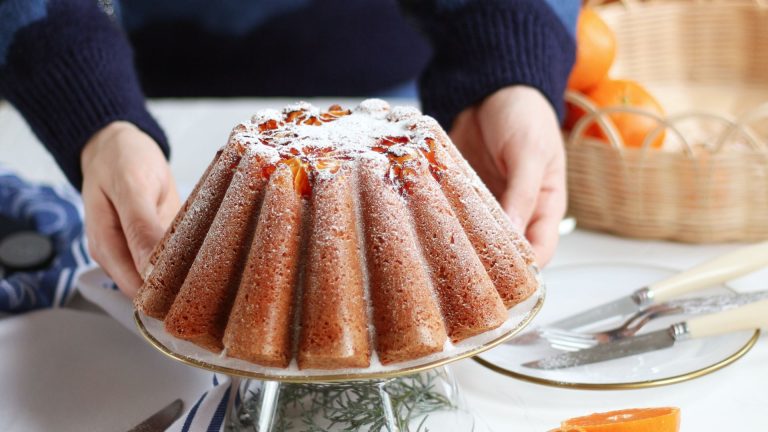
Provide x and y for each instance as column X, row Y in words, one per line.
column 665, row 419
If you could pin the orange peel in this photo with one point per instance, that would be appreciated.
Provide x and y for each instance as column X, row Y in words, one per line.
column 662, row 419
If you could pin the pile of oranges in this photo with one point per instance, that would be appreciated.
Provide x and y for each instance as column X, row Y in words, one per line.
column 666, row 419
column 596, row 51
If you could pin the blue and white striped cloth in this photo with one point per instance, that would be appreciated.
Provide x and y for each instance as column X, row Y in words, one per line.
column 210, row 411
column 57, row 213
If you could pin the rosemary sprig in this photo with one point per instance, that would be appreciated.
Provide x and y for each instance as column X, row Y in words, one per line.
column 350, row 406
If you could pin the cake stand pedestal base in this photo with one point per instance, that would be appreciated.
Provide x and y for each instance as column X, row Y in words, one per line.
column 429, row 400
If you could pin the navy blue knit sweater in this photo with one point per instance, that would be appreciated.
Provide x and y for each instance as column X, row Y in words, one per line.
column 72, row 66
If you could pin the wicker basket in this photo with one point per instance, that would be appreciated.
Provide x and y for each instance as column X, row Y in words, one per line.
column 707, row 61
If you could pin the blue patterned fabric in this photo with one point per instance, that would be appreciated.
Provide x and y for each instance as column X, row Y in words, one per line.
column 57, row 213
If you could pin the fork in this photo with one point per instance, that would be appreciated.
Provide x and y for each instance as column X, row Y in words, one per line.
column 567, row 340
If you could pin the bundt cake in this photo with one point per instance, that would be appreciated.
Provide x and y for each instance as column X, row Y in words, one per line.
column 324, row 236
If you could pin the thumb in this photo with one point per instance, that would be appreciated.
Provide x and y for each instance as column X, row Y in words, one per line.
column 141, row 225
column 521, row 191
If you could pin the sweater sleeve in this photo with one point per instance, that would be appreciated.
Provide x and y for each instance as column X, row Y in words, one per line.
column 68, row 69
column 480, row 46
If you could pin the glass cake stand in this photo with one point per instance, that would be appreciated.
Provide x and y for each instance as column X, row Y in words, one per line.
column 427, row 401
column 411, row 396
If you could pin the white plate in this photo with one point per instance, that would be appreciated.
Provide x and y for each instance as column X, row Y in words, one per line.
column 518, row 318
column 577, row 287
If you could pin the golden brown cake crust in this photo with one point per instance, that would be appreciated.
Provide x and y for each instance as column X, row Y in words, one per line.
column 468, row 299
column 495, row 248
column 334, row 323
column 406, row 315
column 522, row 245
column 199, row 313
column 260, row 324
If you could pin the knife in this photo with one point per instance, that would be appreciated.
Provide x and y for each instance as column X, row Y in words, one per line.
column 708, row 304
column 161, row 420
column 747, row 317
column 713, row 272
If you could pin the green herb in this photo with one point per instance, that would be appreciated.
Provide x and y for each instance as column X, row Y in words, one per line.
column 350, row 406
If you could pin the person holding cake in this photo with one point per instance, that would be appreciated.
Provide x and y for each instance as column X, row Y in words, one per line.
column 491, row 72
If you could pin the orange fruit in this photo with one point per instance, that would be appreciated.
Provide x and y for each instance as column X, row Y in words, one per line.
column 666, row 419
column 632, row 127
column 595, row 51
column 573, row 114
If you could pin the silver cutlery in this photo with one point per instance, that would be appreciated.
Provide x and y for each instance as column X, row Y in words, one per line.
column 713, row 272
column 567, row 340
column 161, row 420
column 747, row 317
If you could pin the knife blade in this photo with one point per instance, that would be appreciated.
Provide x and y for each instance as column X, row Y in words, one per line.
column 161, row 420
column 713, row 272
column 617, row 308
column 657, row 340
column 754, row 315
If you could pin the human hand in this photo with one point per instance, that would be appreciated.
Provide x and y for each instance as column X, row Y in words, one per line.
column 130, row 198
column 512, row 139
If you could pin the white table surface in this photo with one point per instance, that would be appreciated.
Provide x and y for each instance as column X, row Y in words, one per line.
column 732, row 399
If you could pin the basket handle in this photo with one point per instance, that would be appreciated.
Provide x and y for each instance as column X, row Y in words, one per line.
column 731, row 126
column 596, row 115
column 591, row 109
column 741, row 125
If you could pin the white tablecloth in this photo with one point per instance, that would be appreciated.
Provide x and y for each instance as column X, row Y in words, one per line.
column 74, row 370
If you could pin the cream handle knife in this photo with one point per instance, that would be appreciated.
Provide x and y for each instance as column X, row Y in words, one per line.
column 713, row 272
column 747, row 317
column 718, row 270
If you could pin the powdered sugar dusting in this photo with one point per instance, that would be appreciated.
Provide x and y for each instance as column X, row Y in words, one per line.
column 400, row 113
column 375, row 107
column 265, row 115
column 349, row 135
column 301, row 106
column 268, row 154
column 320, row 142
column 401, row 150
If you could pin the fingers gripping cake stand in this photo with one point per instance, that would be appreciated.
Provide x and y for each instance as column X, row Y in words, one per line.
column 339, row 259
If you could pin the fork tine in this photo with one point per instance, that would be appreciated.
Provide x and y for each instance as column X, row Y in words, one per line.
column 567, row 334
column 567, row 340
column 571, row 346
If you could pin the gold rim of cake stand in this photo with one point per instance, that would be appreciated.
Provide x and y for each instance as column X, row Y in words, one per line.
column 626, row 385
column 342, row 377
